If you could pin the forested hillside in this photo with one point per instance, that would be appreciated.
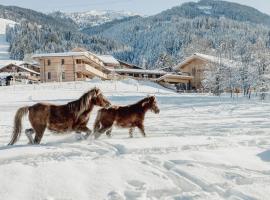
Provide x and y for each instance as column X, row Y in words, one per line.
column 151, row 42
column 38, row 32
column 192, row 27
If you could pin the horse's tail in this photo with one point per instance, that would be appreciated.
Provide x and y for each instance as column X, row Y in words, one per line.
column 17, row 129
column 97, row 121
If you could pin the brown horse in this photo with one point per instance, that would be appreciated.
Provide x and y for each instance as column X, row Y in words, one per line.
column 72, row 116
column 130, row 116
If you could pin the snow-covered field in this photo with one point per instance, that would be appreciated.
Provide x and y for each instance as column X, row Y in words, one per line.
column 198, row 147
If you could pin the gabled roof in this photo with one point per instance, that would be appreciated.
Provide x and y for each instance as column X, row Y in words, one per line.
column 209, row 58
column 17, row 63
column 129, row 64
column 26, row 69
column 176, row 76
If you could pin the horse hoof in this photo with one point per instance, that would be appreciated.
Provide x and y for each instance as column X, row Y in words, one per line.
column 80, row 137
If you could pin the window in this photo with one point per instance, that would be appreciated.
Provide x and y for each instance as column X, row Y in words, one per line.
column 78, row 61
column 49, row 62
column 63, row 61
column 63, row 75
column 49, row 76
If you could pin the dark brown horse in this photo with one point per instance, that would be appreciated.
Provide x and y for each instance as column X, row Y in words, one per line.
column 130, row 116
column 72, row 116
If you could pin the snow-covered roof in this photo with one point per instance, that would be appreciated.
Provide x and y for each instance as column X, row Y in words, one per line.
column 18, row 63
column 213, row 59
column 108, row 59
column 86, row 54
column 27, row 69
column 64, row 54
column 4, row 23
column 143, row 71
column 8, row 62
column 175, row 76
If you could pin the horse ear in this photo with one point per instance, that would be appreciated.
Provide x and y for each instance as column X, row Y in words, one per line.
column 98, row 91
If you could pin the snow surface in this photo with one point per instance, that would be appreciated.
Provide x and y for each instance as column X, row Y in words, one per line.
column 206, row 9
column 4, row 45
column 198, row 147
column 108, row 59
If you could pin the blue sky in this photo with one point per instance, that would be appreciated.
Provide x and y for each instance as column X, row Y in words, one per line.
column 146, row 7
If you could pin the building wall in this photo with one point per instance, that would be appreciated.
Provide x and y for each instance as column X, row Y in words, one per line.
column 32, row 67
column 57, row 69
column 19, row 73
column 196, row 68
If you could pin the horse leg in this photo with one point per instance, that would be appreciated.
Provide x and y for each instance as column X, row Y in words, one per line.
column 39, row 130
column 86, row 130
column 29, row 132
column 141, row 128
column 39, row 117
column 131, row 132
column 109, row 132
column 101, row 131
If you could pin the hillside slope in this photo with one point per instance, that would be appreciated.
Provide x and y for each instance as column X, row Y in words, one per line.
column 4, row 45
column 38, row 32
column 218, row 9
column 192, row 27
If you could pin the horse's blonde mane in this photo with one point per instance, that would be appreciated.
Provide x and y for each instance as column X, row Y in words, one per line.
column 80, row 105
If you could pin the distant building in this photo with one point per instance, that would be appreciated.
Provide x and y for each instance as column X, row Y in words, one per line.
column 70, row 66
column 197, row 64
column 79, row 64
column 20, row 70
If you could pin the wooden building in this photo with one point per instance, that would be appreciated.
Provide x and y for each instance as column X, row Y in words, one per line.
column 70, row 66
column 197, row 64
column 20, row 70
column 154, row 75
column 80, row 64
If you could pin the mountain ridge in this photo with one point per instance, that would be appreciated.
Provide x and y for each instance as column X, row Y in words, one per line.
column 217, row 9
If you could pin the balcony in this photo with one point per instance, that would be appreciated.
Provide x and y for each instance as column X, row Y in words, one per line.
column 90, row 70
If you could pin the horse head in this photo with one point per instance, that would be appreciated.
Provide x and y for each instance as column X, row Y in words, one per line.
column 151, row 103
column 99, row 99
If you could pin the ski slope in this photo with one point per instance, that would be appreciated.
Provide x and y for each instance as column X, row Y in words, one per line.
column 4, row 45
column 198, row 147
